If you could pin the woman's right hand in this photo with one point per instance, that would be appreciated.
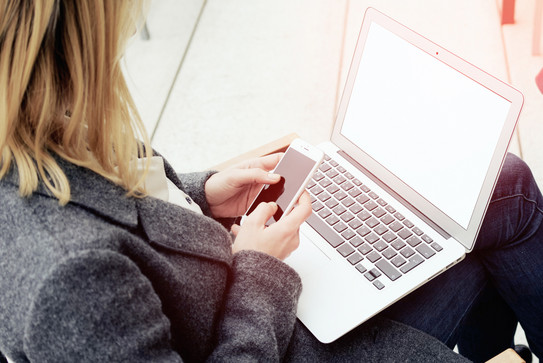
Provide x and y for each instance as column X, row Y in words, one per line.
column 279, row 239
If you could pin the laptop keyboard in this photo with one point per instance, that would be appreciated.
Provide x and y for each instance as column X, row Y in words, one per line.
column 363, row 228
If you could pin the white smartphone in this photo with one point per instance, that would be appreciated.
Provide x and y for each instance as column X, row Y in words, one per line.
column 296, row 168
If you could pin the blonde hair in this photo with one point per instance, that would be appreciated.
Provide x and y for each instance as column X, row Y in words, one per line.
column 62, row 91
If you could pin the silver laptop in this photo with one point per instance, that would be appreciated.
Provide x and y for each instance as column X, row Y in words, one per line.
column 419, row 141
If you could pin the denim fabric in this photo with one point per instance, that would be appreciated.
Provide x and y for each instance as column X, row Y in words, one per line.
column 478, row 302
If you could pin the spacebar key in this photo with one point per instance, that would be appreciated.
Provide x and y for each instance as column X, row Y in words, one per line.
column 324, row 230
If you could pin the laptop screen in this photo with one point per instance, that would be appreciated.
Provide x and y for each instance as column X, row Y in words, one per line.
column 425, row 122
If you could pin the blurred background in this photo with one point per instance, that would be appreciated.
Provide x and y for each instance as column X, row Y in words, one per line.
column 215, row 78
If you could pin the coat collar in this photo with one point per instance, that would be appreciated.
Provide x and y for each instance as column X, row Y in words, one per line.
column 90, row 191
column 159, row 220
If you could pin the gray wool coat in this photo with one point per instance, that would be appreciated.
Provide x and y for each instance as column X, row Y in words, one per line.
column 117, row 279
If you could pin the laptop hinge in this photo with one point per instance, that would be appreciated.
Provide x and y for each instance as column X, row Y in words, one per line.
column 395, row 195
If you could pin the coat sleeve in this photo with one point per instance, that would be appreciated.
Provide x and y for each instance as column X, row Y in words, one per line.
column 260, row 310
column 97, row 307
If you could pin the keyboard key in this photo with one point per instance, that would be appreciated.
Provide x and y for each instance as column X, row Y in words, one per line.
column 407, row 252
column 389, row 270
column 324, row 213
column 405, row 233
column 324, row 230
column 356, row 241
column 371, row 205
column 378, row 284
column 436, row 247
column 398, row 261
column 389, row 237
column 398, row 244
column 332, row 174
column 417, row 231
column 365, row 249
column 356, row 208
column 332, row 203
column 375, row 272
column 390, row 209
column 364, row 215
column 355, row 192
column 427, row 239
column 387, row 219
column 347, row 186
column 355, row 223
column 347, row 202
column 341, row 169
column 395, row 226
column 332, row 189
column 357, row 182
column 363, row 231
column 340, row 195
column 412, row 263
column 372, row 222
column 399, row 216
column 426, row 251
column 380, row 229
column 325, row 167
column 379, row 212
column 325, row 183
column 347, row 217
column 361, row 268
column 373, row 195
column 348, row 234
column 380, row 245
column 333, row 163
column 339, row 210
column 362, row 199
column 389, row 253
column 345, row 249
column 318, row 176
column 349, row 175
column 355, row 258
column 373, row 256
column 316, row 190
column 408, row 223
column 381, row 202
column 372, row 238
column 339, row 179
column 317, row 206
column 339, row 227
column 323, row 197
column 413, row 241
column 369, row 276
column 365, row 188
column 332, row 220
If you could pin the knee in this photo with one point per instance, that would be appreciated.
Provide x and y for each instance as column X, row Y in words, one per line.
column 516, row 176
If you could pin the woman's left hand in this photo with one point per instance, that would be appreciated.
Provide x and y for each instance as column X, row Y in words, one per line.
column 230, row 192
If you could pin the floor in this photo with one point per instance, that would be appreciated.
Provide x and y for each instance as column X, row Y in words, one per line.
column 218, row 78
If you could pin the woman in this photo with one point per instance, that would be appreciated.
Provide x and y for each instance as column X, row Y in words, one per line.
column 107, row 255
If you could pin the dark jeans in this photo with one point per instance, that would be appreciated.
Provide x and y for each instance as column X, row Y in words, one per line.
column 477, row 303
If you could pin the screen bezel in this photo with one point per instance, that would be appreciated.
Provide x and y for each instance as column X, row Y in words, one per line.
column 466, row 236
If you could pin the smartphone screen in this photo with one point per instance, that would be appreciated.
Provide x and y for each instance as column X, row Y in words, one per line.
column 293, row 168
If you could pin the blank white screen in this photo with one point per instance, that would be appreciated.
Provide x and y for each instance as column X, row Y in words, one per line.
column 428, row 124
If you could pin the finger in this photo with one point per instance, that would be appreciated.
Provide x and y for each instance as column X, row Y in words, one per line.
column 302, row 211
column 268, row 162
column 235, row 229
column 253, row 176
column 262, row 213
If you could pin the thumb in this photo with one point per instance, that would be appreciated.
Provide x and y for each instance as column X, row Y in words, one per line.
column 262, row 213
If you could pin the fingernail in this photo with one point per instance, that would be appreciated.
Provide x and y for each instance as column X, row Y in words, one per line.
column 273, row 177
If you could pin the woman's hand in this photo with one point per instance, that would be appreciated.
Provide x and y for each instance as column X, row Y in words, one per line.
column 230, row 192
column 279, row 239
